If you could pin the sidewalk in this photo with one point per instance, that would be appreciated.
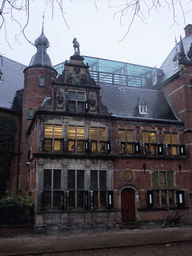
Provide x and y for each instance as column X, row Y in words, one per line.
column 45, row 244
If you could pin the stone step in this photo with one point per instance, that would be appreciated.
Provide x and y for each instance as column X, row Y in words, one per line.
column 130, row 225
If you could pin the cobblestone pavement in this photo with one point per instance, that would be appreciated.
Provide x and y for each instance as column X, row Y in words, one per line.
column 173, row 249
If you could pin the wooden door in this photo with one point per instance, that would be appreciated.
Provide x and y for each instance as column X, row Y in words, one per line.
column 128, row 205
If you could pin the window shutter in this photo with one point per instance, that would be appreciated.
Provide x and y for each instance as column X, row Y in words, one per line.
column 167, row 149
column 92, row 200
column 110, row 199
column 143, row 149
column 180, row 199
column 86, row 106
column 150, row 199
column 137, row 148
column 119, row 147
column 108, row 146
column 86, row 200
column 181, row 150
column 67, row 201
column 160, row 149
column 87, row 146
column 62, row 200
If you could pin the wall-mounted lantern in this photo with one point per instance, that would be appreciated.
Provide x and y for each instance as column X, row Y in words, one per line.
column 180, row 167
column 144, row 167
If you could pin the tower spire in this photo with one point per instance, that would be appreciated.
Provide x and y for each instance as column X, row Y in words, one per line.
column 43, row 24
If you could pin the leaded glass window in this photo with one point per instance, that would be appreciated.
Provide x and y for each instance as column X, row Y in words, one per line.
column 99, row 188
column 53, row 137
column 51, row 187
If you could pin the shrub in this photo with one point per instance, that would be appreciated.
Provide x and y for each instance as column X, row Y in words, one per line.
column 15, row 209
column 7, row 146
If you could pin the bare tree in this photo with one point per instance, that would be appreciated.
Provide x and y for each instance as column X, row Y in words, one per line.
column 127, row 10
column 130, row 10
column 12, row 7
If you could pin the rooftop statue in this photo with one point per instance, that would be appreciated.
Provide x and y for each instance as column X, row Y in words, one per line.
column 76, row 46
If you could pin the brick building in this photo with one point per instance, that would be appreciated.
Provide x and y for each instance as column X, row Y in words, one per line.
column 105, row 142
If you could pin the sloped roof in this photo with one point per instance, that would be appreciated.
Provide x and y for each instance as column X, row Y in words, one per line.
column 41, row 58
column 123, row 102
column 167, row 66
column 12, row 81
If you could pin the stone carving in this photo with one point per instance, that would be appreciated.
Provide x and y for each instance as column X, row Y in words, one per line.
column 127, row 175
column 92, row 102
column 69, row 78
column 60, row 101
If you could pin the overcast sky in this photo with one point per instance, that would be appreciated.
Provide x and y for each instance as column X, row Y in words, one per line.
column 97, row 32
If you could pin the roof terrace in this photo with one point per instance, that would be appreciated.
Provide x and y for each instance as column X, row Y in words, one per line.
column 116, row 73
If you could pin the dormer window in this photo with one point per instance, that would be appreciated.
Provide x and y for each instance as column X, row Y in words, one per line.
column 142, row 109
column 142, row 106
column 176, row 64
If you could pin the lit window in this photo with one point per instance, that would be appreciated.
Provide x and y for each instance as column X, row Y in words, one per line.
column 76, row 139
column 163, row 185
column 126, row 141
column 149, row 141
column 53, row 137
column 98, row 139
column 171, row 143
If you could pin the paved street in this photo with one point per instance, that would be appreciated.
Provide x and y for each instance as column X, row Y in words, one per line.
column 173, row 249
column 133, row 241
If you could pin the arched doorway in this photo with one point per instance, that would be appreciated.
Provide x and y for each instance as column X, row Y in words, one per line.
column 128, row 205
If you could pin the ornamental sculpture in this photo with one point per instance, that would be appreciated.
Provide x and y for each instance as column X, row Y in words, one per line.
column 76, row 46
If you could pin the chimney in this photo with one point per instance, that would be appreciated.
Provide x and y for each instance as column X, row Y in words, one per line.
column 188, row 30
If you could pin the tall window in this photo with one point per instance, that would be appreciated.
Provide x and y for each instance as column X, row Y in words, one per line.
column 163, row 188
column 53, row 137
column 51, row 187
column 30, row 113
column 42, row 81
column 76, row 139
column 98, row 188
column 126, row 140
column 149, row 140
column 76, row 101
column 171, row 143
column 98, row 139
column 76, row 185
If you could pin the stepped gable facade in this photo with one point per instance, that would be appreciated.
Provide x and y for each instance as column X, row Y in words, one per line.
column 103, row 147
